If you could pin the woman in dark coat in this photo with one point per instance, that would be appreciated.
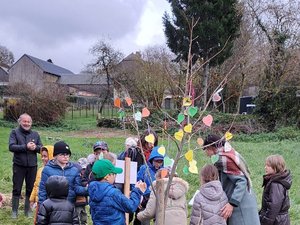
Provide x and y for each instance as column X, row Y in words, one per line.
column 275, row 198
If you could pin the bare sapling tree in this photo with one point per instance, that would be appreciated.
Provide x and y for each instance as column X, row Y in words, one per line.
column 190, row 121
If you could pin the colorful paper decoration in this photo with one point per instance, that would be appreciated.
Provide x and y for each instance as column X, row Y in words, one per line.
column 228, row 136
column 164, row 173
column 145, row 112
column 185, row 170
column 192, row 111
column 214, row 158
column 187, row 101
column 150, row 138
column 188, row 128
column 138, row 116
column 128, row 101
column 168, row 162
column 180, row 118
column 216, row 97
column 162, row 150
column 189, row 155
column 121, row 114
column 117, row 102
column 179, row 135
column 227, row 147
column 207, row 120
column 193, row 167
column 200, row 141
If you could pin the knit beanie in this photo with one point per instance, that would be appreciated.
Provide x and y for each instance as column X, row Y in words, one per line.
column 61, row 148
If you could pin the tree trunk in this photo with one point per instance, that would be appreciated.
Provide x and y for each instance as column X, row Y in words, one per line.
column 160, row 209
column 205, row 84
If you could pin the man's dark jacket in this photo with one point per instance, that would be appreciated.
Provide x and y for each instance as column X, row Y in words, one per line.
column 18, row 140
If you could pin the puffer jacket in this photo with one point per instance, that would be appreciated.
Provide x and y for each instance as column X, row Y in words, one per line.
column 35, row 190
column 208, row 204
column 108, row 205
column 275, row 199
column 143, row 175
column 176, row 210
column 72, row 175
column 57, row 209
column 18, row 140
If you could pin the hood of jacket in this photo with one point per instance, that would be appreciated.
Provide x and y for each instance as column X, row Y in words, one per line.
column 50, row 150
column 178, row 187
column 155, row 154
column 57, row 187
column 97, row 190
column 283, row 178
column 212, row 190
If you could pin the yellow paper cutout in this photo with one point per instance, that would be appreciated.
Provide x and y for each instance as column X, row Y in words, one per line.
column 178, row 135
column 150, row 138
column 200, row 141
column 228, row 136
column 161, row 150
column 188, row 128
column 193, row 167
column 187, row 101
column 189, row 155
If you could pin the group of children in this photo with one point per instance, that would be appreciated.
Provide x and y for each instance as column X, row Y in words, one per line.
column 63, row 189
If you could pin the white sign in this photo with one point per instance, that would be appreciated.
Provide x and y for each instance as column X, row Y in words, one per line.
column 133, row 172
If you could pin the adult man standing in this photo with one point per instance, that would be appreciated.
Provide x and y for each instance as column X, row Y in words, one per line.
column 24, row 143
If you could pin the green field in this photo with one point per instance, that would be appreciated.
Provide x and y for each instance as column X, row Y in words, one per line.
column 82, row 132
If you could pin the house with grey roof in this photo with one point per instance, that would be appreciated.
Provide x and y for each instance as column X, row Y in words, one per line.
column 38, row 73
column 3, row 77
column 35, row 72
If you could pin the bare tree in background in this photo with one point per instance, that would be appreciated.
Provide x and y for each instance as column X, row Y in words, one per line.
column 103, row 64
column 6, row 57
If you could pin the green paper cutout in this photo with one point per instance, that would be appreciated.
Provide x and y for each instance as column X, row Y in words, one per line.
column 180, row 118
column 121, row 114
column 185, row 170
column 167, row 161
column 214, row 158
column 192, row 111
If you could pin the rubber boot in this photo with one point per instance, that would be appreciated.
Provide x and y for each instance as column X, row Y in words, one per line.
column 27, row 209
column 15, row 207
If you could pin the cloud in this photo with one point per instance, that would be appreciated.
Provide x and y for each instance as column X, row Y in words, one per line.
column 65, row 30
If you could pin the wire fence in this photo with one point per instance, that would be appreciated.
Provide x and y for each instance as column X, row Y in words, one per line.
column 92, row 110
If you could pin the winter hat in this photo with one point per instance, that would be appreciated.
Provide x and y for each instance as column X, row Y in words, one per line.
column 103, row 167
column 61, row 148
column 99, row 145
column 83, row 162
column 130, row 141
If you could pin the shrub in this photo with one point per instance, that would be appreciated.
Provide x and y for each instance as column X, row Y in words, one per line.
column 46, row 106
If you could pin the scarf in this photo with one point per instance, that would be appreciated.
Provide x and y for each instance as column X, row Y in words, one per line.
column 231, row 162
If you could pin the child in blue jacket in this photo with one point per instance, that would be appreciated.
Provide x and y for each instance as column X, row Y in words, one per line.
column 107, row 203
column 155, row 162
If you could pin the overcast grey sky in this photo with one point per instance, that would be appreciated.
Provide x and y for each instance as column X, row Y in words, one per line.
column 65, row 30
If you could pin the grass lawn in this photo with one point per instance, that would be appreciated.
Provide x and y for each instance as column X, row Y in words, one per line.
column 81, row 133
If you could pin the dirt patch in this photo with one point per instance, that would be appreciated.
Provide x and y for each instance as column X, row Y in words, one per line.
column 100, row 133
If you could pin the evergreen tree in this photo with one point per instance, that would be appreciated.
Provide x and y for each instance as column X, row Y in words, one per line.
column 214, row 23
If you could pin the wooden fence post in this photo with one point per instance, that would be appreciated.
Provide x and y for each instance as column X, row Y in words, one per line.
column 160, row 206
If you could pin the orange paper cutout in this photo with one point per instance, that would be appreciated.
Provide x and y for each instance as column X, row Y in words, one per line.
column 145, row 112
column 128, row 101
column 117, row 102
